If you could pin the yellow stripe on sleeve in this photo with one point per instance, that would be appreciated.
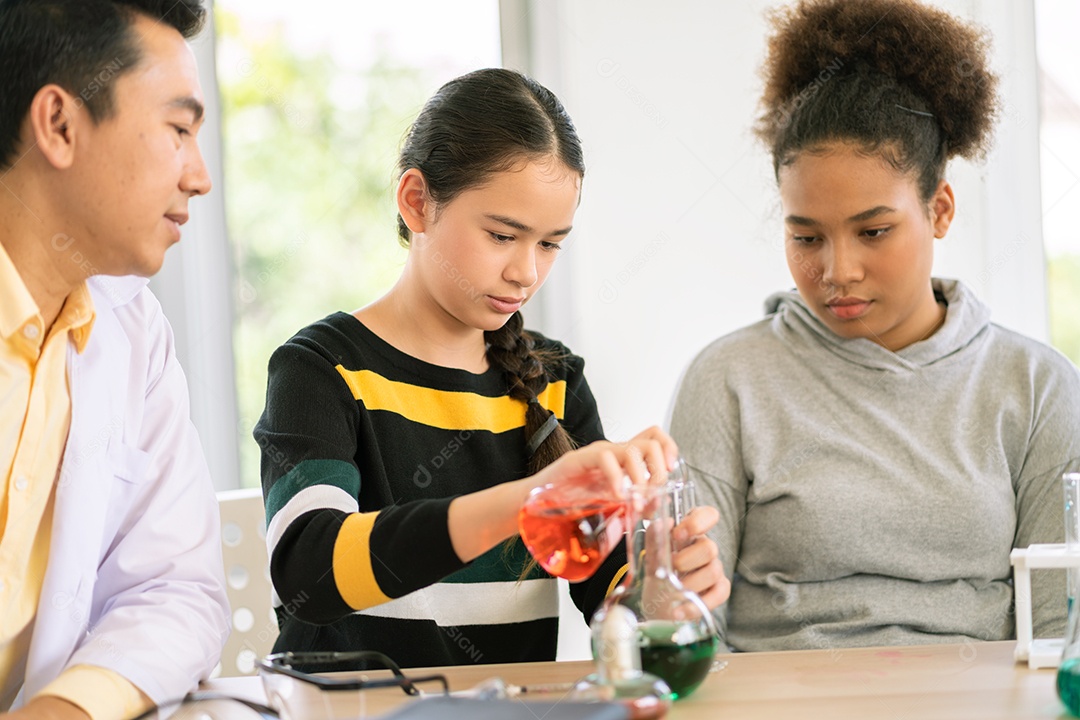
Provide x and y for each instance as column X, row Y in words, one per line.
column 353, row 574
column 446, row 409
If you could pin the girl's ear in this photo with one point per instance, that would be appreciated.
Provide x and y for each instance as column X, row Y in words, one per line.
column 942, row 209
column 414, row 205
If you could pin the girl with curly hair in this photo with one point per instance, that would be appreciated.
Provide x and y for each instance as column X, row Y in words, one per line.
column 876, row 445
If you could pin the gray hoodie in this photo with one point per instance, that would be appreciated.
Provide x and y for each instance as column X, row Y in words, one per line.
column 870, row 497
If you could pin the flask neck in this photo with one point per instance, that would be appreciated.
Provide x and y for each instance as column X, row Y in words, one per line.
column 648, row 541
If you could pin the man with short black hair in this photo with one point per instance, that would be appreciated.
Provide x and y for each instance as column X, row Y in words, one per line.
column 111, row 583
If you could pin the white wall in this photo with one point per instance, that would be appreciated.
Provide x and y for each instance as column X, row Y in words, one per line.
column 678, row 238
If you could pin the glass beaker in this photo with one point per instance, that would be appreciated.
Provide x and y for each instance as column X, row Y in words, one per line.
column 1068, row 676
column 572, row 527
column 1070, row 484
column 676, row 632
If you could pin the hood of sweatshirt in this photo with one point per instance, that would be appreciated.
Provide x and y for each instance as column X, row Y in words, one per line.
column 966, row 318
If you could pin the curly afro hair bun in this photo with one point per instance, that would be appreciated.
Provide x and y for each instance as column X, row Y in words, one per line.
column 896, row 77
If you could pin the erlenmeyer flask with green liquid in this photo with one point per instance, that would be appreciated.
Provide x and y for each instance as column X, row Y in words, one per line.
column 676, row 632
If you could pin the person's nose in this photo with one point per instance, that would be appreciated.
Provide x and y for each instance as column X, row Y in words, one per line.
column 521, row 269
column 842, row 264
column 195, row 179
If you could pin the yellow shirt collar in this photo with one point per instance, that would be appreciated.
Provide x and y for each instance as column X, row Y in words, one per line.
column 17, row 307
column 77, row 316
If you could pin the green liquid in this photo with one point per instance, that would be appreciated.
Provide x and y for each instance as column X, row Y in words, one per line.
column 682, row 667
column 1068, row 685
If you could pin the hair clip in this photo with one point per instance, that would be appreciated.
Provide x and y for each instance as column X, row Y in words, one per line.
column 542, row 434
column 915, row 112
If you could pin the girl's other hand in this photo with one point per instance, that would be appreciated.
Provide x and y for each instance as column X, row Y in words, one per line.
column 696, row 557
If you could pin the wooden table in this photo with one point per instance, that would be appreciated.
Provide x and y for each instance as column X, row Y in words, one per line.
column 972, row 680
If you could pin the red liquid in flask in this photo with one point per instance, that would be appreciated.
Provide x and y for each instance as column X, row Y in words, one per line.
column 571, row 540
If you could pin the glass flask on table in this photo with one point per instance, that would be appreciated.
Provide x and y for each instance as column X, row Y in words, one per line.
column 676, row 632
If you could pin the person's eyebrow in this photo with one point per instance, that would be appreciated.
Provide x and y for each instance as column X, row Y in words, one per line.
column 871, row 213
column 522, row 227
column 858, row 217
column 189, row 103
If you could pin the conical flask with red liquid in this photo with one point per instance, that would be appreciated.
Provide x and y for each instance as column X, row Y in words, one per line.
column 572, row 527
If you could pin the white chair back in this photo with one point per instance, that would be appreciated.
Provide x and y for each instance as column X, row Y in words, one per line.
column 247, row 574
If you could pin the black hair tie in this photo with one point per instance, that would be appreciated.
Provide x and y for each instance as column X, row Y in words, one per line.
column 541, row 434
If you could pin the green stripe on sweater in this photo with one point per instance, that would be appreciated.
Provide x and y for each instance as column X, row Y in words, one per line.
column 498, row 565
column 310, row 473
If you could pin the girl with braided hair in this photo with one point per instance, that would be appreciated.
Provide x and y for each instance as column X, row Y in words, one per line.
column 400, row 441
column 876, row 446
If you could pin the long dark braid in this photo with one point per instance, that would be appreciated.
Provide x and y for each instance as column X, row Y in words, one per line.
column 512, row 349
column 475, row 125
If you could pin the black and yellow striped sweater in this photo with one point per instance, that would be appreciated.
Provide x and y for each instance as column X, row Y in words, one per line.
column 363, row 448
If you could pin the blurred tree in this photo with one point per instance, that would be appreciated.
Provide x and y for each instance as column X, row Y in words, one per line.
column 1064, row 284
column 309, row 149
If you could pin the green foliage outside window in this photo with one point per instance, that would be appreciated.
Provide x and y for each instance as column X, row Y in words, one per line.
column 309, row 161
column 1064, row 284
